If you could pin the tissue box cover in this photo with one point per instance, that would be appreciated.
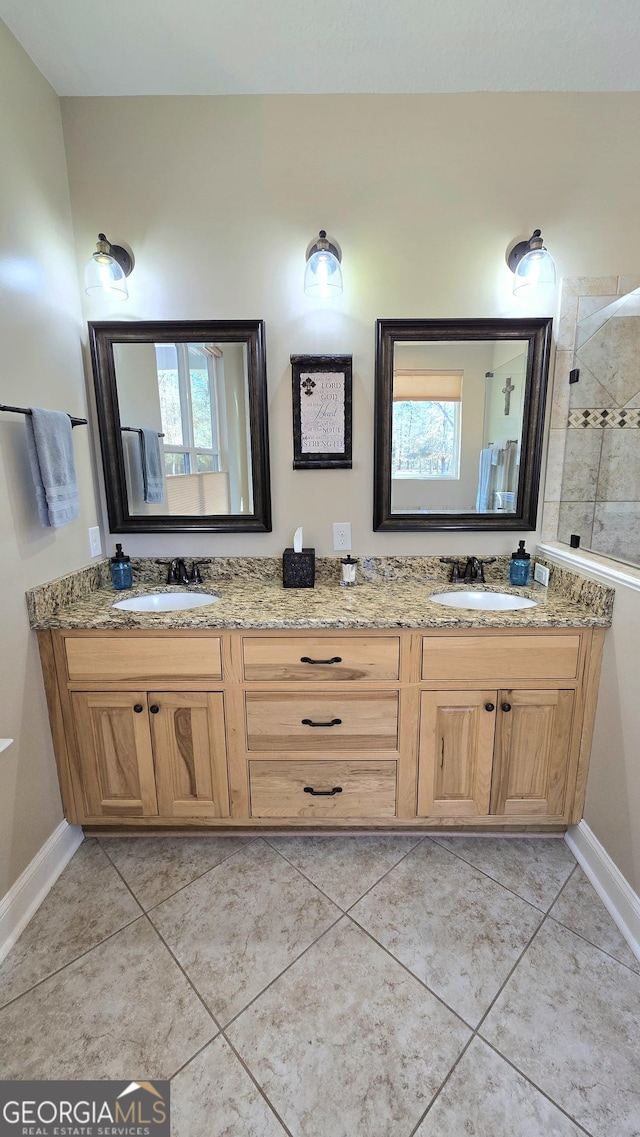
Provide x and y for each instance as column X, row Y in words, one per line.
column 299, row 569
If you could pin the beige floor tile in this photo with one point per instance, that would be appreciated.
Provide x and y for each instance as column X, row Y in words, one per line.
column 156, row 867
column 344, row 867
column 533, row 867
column 569, row 1019
column 123, row 1010
column 485, row 1097
column 346, row 1043
column 87, row 903
column 458, row 931
column 214, row 1097
column 580, row 908
column 236, row 928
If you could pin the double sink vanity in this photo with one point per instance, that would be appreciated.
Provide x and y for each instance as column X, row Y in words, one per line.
column 369, row 707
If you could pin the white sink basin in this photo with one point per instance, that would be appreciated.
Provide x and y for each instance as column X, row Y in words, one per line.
column 166, row 601
column 484, row 601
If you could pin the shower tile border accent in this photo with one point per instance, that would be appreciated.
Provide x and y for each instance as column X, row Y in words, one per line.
column 573, row 288
column 600, row 417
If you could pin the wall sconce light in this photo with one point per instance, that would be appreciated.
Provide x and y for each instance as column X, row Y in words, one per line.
column 531, row 264
column 323, row 275
column 107, row 271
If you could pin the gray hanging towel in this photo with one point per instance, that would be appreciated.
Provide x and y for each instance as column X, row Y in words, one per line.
column 151, row 458
column 50, row 449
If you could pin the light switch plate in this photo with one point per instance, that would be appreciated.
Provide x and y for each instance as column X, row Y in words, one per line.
column 541, row 574
column 341, row 536
column 95, row 544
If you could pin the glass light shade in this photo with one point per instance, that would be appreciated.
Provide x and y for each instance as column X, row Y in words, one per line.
column 536, row 268
column 323, row 275
column 103, row 276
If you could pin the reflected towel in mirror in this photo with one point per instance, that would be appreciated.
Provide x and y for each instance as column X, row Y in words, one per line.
column 151, row 458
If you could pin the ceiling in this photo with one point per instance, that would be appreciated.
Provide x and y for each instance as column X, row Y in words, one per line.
column 219, row 47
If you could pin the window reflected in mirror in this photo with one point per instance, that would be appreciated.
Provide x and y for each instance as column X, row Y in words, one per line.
column 194, row 396
column 459, row 423
column 457, row 426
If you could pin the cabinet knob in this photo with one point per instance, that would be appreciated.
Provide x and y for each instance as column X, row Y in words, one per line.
column 506, row 706
column 138, row 708
column 489, row 706
column 154, row 708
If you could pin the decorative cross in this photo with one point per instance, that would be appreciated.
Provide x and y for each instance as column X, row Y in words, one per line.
column 506, row 391
column 308, row 385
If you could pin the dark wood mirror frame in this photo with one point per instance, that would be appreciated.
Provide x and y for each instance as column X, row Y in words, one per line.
column 535, row 332
column 102, row 337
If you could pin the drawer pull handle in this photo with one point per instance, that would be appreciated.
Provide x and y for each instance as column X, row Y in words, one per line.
column 138, row 708
column 305, row 659
column 334, row 722
column 154, row 708
column 489, row 706
column 323, row 793
column 506, row 706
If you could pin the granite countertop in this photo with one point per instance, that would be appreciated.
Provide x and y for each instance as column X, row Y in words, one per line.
column 249, row 602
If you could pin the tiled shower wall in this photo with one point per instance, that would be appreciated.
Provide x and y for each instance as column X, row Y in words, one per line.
column 593, row 469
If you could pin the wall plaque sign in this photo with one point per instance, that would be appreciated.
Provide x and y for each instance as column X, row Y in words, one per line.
column 321, row 411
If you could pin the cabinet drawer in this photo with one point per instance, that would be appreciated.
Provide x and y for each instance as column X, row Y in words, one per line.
column 512, row 657
column 332, row 721
column 360, row 789
column 325, row 658
column 143, row 658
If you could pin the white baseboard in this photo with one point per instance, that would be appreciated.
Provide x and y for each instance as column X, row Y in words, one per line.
column 614, row 890
column 25, row 896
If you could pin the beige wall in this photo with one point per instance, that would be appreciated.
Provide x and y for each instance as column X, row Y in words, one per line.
column 424, row 193
column 41, row 365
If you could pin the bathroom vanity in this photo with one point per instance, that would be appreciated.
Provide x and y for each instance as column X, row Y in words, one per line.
column 395, row 712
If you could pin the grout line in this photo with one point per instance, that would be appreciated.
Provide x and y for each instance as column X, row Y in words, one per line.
column 270, row 984
column 182, row 886
column 69, row 962
column 193, row 1056
column 346, row 910
column 584, row 939
column 534, row 1084
column 408, row 970
column 544, row 911
column 443, row 1084
column 516, row 964
column 187, row 977
column 256, row 1083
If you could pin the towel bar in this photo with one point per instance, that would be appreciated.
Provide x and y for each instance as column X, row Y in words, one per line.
column 27, row 411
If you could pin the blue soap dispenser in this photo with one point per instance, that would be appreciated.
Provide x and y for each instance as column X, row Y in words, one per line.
column 121, row 575
column 520, row 567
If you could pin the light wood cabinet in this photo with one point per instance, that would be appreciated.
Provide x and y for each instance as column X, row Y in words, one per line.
column 392, row 728
column 150, row 754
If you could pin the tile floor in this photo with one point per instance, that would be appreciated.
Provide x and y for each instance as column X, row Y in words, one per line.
column 369, row 986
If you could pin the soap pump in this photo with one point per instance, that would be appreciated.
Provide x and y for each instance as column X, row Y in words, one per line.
column 121, row 575
column 520, row 567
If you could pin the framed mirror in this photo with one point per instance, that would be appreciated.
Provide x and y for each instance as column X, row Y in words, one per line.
column 459, row 419
column 182, row 412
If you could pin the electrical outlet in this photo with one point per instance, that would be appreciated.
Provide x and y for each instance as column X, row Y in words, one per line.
column 95, row 544
column 541, row 574
column 341, row 536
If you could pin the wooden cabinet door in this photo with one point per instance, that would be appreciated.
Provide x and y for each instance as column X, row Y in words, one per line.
column 533, row 737
column 190, row 753
column 114, row 753
column 456, row 753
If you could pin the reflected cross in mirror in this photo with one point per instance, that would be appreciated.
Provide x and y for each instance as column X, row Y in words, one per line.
column 506, row 391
